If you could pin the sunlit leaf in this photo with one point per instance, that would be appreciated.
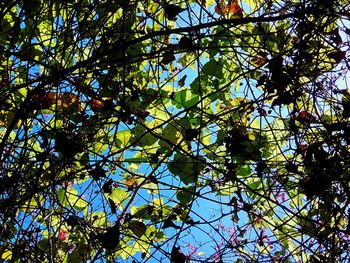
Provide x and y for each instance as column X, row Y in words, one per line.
column 119, row 196
column 7, row 255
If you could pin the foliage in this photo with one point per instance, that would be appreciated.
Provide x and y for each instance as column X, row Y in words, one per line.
column 192, row 131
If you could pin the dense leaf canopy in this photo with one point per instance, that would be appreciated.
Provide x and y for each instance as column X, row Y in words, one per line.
column 179, row 131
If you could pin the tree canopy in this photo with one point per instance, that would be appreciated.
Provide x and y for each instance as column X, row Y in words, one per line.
column 174, row 131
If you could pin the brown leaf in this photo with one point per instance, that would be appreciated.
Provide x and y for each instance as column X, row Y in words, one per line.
column 168, row 57
column 110, row 238
column 220, row 8
column 97, row 173
column 64, row 101
column 185, row 42
column 335, row 36
column 107, row 187
column 138, row 228
column 177, row 256
column 96, row 104
column 258, row 61
column 142, row 114
column 337, row 55
column 305, row 117
column 171, row 11
column 232, row 8
column 112, row 205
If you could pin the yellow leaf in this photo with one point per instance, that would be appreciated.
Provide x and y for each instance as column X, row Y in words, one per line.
column 34, row 203
column 253, row 4
column 209, row 3
column 255, row 124
column 158, row 202
column 7, row 255
column 251, row 136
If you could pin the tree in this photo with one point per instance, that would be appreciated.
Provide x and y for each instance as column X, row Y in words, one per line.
column 181, row 131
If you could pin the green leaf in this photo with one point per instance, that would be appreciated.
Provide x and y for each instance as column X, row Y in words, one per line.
column 119, row 196
column 185, row 98
column 143, row 137
column 100, row 147
column 185, row 195
column 213, row 68
column 123, row 138
column 99, row 219
column 142, row 212
column 169, row 133
column 155, row 234
column 186, row 168
column 70, row 198
column 244, row 171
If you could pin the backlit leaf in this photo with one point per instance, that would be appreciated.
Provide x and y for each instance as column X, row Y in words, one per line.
column 119, row 196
